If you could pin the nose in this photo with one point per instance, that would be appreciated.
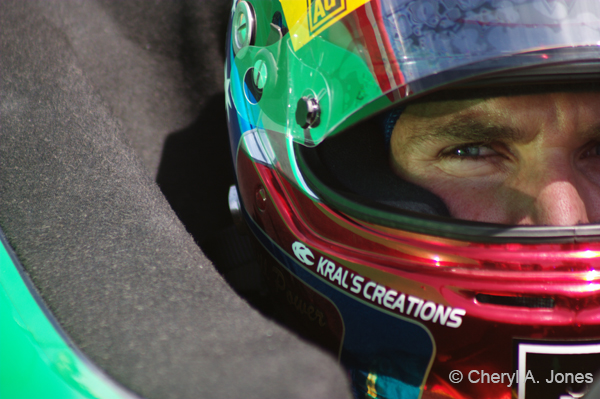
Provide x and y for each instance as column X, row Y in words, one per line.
column 556, row 190
column 559, row 203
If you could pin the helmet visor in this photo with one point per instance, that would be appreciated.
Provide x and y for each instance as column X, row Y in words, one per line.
column 356, row 58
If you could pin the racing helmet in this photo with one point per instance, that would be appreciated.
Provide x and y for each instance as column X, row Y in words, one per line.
column 413, row 302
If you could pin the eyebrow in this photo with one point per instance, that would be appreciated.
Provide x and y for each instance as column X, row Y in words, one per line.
column 466, row 129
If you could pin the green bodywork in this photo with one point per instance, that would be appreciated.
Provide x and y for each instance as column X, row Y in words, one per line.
column 36, row 360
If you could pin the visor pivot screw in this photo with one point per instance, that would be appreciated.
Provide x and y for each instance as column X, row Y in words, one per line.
column 261, row 199
column 308, row 112
column 244, row 26
column 259, row 74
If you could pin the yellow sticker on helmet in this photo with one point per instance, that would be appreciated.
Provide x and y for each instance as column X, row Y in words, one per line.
column 307, row 18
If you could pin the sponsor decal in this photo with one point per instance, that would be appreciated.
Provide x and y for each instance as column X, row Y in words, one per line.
column 308, row 18
column 323, row 11
column 303, row 253
column 378, row 294
column 303, row 305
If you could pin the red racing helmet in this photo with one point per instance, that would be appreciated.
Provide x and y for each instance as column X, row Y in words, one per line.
column 415, row 303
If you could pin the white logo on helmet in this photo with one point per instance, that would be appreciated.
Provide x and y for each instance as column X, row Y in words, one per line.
column 303, row 253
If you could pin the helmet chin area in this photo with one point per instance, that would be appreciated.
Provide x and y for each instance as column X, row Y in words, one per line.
column 410, row 308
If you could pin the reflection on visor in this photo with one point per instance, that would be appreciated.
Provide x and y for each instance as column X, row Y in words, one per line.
column 430, row 36
column 410, row 47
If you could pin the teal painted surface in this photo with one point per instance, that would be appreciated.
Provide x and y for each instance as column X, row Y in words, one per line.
column 35, row 360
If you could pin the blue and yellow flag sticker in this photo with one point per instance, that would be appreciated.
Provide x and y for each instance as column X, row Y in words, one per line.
column 307, row 18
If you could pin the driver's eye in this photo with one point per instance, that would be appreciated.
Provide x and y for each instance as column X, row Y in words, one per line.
column 471, row 151
column 592, row 151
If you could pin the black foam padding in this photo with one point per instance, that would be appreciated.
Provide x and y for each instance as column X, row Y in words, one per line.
column 356, row 164
column 196, row 171
column 89, row 92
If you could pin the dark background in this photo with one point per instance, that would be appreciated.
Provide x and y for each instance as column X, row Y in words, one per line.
column 100, row 101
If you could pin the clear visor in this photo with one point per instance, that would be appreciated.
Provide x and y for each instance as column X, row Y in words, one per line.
column 428, row 37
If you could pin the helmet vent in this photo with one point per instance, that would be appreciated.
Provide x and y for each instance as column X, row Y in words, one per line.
column 517, row 301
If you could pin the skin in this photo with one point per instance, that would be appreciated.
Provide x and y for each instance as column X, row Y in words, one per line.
column 520, row 160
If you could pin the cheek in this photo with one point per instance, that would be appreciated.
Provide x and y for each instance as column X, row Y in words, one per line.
column 481, row 199
column 472, row 199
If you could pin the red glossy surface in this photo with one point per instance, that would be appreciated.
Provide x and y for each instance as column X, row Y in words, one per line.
column 446, row 272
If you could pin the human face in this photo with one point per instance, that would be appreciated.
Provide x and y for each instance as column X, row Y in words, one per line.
column 526, row 160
